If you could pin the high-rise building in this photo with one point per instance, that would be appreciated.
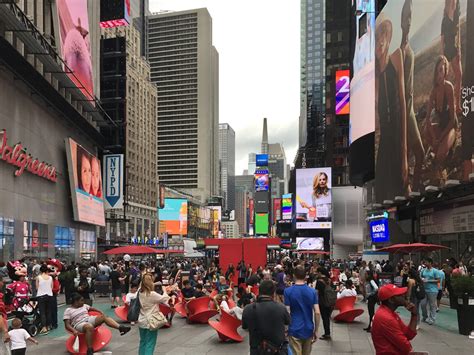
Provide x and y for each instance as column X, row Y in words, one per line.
column 230, row 229
column 185, row 67
column 140, row 143
column 227, row 164
column 252, row 163
column 241, row 203
column 140, row 9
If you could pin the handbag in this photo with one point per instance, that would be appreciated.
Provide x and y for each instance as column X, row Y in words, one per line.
column 75, row 345
column 156, row 320
column 134, row 309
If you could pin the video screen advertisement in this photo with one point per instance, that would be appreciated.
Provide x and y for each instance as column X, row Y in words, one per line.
column 114, row 13
column 261, row 202
column 286, row 207
column 276, row 210
column 313, row 198
column 262, row 180
column 175, row 216
column 261, row 159
column 75, row 43
column 425, row 117
column 343, row 80
column 312, row 243
column 85, row 179
column 379, row 231
column 261, row 223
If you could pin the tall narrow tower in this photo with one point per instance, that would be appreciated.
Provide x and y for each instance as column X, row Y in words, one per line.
column 265, row 137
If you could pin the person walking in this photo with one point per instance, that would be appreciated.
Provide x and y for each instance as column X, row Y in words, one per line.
column 371, row 292
column 266, row 321
column 44, row 287
column 430, row 278
column 149, row 301
column 242, row 269
column 416, row 291
column 302, row 303
column 326, row 304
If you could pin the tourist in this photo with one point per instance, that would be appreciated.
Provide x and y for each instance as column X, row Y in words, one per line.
column 44, row 287
column 116, row 284
column 347, row 291
column 18, row 338
column 430, row 277
column 371, row 292
column 326, row 306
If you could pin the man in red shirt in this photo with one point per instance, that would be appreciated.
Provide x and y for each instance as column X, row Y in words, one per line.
column 389, row 334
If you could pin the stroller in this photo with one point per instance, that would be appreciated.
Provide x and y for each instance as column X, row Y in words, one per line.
column 28, row 312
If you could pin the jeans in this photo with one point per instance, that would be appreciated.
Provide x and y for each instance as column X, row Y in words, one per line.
column 147, row 341
column 53, row 310
column 44, row 310
column 326, row 317
column 429, row 306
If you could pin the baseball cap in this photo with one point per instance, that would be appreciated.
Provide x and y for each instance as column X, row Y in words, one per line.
column 390, row 290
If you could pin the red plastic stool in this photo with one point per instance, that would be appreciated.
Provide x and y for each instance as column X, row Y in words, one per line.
column 226, row 327
column 200, row 311
column 122, row 312
column 102, row 337
column 255, row 290
column 347, row 312
column 180, row 308
column 166, row 310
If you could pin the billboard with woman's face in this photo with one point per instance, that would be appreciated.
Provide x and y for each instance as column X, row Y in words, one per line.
column 313, row 198
column 85, row 179
column 424, row 89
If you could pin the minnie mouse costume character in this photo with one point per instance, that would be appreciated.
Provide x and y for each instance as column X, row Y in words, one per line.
column 19, row 288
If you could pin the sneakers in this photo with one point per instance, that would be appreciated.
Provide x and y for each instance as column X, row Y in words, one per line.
column 325, row 337
column 123, row 329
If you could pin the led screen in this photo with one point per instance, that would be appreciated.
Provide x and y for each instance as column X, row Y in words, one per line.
column 114, row 13
column 343, row 79
column 379, row 231
column 286, row 207
column 261, row 159
column 261, row 223
column 310, row 243
column 261, row 180
column 175, row 216
column 261, row 201
column 313, row 198
column 85, row 179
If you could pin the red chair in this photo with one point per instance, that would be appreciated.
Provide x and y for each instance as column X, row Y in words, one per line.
column 180, row 308
column 199, row 310
column 166, row 310
column 255, row 290
column 102, row 337
column 347, row 312
column 213, row 293
column 122, row 312
column 226, row 327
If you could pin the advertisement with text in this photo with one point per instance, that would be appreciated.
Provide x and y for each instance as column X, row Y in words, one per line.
column 175, row 216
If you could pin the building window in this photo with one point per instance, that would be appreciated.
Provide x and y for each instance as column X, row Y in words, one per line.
column 64, row 243
column 88, row 244
column 339, row 36
column 6, row 238
column 35, row 240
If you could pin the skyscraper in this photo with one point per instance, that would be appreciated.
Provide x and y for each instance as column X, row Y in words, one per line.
column 185, row 67
column 139, row 11
column 227, row 164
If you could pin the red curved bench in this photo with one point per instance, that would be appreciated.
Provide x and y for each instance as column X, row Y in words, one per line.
column 213, row 293
column 102, row 337
column 166, row 310
column 200, row 311
column 180, row 308
column 347, row 312
column 122, row 312
column 226, row 327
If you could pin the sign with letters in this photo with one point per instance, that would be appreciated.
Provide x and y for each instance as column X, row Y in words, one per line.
column 113, row 173
column 379, row 231
column 343, row 80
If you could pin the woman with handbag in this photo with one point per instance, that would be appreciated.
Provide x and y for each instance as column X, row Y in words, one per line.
column 150, row 319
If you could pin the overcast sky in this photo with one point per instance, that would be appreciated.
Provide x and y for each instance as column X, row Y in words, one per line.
column 259, row 51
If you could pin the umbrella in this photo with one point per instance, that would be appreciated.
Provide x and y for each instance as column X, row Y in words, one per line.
column 169, row 251
column 320, row 252
column 132, row 249
column 412, row 248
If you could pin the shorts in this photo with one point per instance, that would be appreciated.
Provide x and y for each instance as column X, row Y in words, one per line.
column 300, row 346
column 116, row 292
column 90, row 320
column 440, row 295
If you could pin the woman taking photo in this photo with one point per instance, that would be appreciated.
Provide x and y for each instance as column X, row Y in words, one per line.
column 372, row 289
column 149, row 301
column 44, row 285
column 414, row 282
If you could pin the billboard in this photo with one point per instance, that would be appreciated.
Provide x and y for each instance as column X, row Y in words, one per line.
column 251, row 211
column 286, row 207
column 76, row 43
column 425, row 118
column 276, row 210
column 114, row 13
column 261, row 159
column 175, row 216
column 261, row 201
column 216, row 214
column 313, row 243
column 85, row 179
column 261, row 223
column 343, row 79
column 261, row 180
column 161, row 197
column 448, row 218
column 313, row 198
column 113, row 181
column 379, row 231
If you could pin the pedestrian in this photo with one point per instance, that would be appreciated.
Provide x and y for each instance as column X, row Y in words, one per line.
column 327, row 300
column 416, row 291
column 44, row 287
column 116, row 285
column 441, row 288
column 149, row 301
column 281, row 282
column 302, row 303
column 430, row 278
column 242, row 269
column 18, row 338
column 389, row 334
column 83, row 285
column 266, row 321
column 4, row 337
column 371, row 291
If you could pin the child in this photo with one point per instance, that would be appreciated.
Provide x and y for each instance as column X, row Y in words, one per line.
column 131, row 295
column 18, row 338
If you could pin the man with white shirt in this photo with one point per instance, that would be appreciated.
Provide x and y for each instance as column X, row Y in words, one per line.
column 347, row 291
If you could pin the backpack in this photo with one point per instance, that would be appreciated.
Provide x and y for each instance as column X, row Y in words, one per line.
column 419, row 290
column 134, row 309
column 329, row 297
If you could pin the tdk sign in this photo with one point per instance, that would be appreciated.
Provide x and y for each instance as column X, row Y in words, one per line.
column 379, row 231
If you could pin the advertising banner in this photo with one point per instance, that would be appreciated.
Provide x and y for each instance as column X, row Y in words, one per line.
column 216, row 214
column 261, row 201
column 424, row 122
column 114, row 13
column 261, row 160
column 76, row 43
column 85, row 179
column 261, row 224
column 161, row 197
column 261, row 180
column 313, row 198
column 251, row 211
column 448, row 218
column 175, row 216
column 287, row 207
column 113, row 183
column 310, row 243
column 343, row 79
column 276, row 210
column 379, row 231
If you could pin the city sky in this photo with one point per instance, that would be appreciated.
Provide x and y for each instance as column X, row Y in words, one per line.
column 259, row 68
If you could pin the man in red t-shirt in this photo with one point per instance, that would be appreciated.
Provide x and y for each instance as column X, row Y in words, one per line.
column 389, row 334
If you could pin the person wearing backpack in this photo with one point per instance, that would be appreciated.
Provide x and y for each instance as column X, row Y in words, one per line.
column 327, row 301
column 416, row 291
column 372, row 288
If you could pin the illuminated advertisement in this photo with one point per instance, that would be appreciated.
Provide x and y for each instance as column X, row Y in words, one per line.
column 261, row 180
column 365, row 5
column 310, row 243
column 175, row 216
column 343, row 79
column 216, row 214
column 313, row 198
column 261, row 201
column 261, row 159
column 114, row 13
column 251, row 210
column 276, row 210
column 425, row 117
column 286, row 207
column 379, row 231
column 85, row 179
column 161, row 197
column 76, row 44
column 261, row 223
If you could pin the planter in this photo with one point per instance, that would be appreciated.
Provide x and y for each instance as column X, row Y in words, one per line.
column 465, row 309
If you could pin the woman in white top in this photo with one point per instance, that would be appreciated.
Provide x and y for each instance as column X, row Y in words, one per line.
column 149, row 301
column 347, row 291
column 44, row 286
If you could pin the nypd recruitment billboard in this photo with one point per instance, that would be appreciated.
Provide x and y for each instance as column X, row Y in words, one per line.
column 113, row 181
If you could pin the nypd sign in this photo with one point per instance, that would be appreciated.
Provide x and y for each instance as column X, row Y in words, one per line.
column 113, row 181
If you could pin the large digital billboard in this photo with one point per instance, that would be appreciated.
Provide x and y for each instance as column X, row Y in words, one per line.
column 261, row 201
column 276, row 210
column 261, row 180
column 261, row 223
column 76, row 43
column 114, row 13
column 312, row 243
column 425, row 119
column 286, row 207
column 313, row 198
column 261, row 159
column 175, row 216
column 379, row 231
column 343, row 79
column 85, row 179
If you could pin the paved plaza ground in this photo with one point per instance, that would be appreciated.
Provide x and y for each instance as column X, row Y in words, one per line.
column 197, row 339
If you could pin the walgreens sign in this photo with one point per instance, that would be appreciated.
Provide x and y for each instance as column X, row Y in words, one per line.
column 16, row 155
